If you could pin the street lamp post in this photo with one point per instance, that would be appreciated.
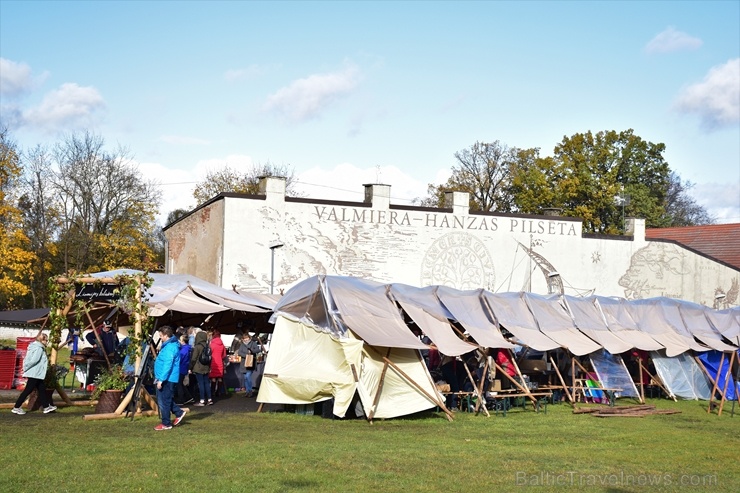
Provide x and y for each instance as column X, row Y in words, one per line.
column 273, row 246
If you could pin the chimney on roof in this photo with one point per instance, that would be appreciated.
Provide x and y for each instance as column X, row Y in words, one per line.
column 379, row 196
column 459, row 202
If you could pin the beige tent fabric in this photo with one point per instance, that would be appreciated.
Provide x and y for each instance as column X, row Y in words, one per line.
column 619, row 319
column 468, row 309
column 512, row 313
column 398, row 396
column 727, row 322
column 556, row 323
column 184, row 301
column 696, row 321
column 590, row 321
column 306, row 366
column 369, row 312
column 438, row 331
column 664, row 324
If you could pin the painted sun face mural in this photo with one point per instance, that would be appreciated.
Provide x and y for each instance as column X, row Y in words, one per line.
column 458, row 260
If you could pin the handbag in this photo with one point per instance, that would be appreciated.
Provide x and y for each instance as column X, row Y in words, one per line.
column 249, row 360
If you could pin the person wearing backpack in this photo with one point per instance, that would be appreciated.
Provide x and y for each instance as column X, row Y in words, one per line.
column 201, row 353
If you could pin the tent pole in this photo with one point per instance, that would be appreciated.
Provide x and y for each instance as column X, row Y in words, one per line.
column 97, row 336
column 642, row 381
column 562, row 382
column 727, row 381
column 716, row 382
column 660, row 384
column 418, row 387
column 480, row 389
column 477, row 392
column 380, row 388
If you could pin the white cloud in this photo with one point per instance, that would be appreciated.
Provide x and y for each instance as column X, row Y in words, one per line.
column 15, row 78
column 721, row 200
column 672, row 40
column 306, row 98
column 717, row 98
column 182, row 140
column 69, row 106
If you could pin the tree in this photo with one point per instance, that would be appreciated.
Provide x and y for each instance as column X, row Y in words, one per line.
column 681, row 209
column 227, row 180
column 107, row 210
column 482, row 170
column 15, row 257
column 588, row 174
column 40, row 221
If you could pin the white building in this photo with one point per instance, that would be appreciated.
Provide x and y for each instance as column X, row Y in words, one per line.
column 265, row 242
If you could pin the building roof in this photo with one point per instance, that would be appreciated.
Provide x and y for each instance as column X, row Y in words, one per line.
column 720, row 241
column 21, row 317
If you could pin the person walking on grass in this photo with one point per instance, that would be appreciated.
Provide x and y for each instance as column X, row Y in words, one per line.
column 166, row 377
column 35, row 365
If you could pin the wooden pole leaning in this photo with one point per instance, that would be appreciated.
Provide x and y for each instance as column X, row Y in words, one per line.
column 434, row 399
column 381, row 382
column 728, row 377
column 562, row 382
column 716, row 382
column 477, row 392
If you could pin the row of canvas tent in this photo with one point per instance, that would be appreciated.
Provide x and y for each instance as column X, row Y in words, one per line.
column 336, row 336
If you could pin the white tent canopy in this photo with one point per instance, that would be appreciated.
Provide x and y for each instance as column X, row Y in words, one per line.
column 468, row 309
column 660, row 318
column 589, row 320
column 512, row 313
column 554, row 321
column 619, row 320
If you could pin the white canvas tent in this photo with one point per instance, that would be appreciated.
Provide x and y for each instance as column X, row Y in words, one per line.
column 333, row 315
column 364, row 346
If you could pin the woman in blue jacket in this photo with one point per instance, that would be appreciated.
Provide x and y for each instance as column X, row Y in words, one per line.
column 166, row 376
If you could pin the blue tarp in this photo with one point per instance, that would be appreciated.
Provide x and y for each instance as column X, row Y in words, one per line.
column 711, row 360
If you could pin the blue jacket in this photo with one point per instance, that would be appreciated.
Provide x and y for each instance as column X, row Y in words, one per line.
column 35, row 362
column 185, row 350
column 167, row 364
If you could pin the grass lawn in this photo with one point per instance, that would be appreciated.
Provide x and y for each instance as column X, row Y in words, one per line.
column 214, row 451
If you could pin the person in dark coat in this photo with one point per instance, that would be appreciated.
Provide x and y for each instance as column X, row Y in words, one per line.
column 200, row 370
column 249, row 349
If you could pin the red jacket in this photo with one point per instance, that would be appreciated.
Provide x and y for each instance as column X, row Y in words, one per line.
column 217, row 361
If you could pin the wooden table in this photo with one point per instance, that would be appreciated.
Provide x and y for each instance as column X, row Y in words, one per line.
column 501, row 400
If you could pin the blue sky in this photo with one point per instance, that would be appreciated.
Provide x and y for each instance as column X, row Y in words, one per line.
column 348, row 93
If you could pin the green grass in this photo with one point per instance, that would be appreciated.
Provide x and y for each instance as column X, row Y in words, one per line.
column 274, row 452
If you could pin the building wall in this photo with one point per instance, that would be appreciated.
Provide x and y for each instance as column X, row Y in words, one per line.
column 228, row 241
column 196, row 245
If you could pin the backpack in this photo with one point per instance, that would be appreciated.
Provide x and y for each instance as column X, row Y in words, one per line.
column 205, row 356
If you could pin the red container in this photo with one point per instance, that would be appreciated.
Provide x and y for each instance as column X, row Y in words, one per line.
column 7, row 368
column 21, row 345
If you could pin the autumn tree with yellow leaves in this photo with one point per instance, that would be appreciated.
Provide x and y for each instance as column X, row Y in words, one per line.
column 15, row 256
